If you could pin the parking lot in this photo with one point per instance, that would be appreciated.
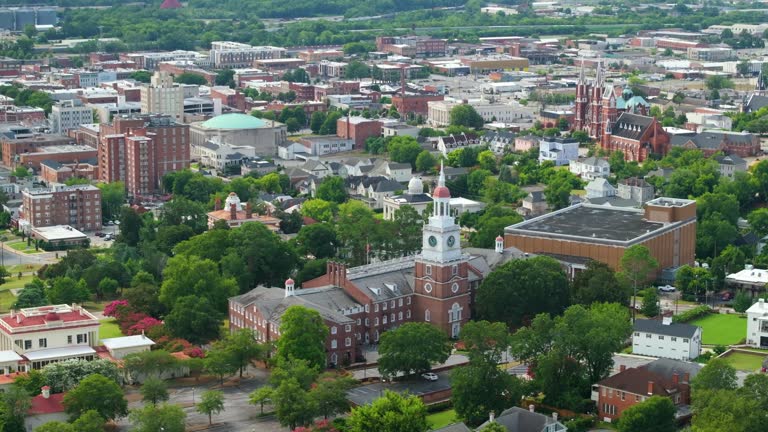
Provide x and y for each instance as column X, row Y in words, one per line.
column 417, row 386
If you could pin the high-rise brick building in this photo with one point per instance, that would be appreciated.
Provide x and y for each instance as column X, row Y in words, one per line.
column 140, row 150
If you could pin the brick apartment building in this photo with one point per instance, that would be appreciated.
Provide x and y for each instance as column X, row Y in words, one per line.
column 140, row 150
column 358, row 129
column 229, row 97
column 77, row 206
column 414, row 104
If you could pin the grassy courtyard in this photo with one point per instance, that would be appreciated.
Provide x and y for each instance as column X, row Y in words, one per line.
column 109, row 329
column 745, row 361
column 441, row 419
column 720, row 329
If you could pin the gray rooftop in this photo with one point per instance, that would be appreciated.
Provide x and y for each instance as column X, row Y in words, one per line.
column 587, row 221
column 657, row 327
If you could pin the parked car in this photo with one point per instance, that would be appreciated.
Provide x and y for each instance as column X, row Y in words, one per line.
column 726, row 295
column 429, row 376
column 99, row 234
column 109, row 237
column 667, row 288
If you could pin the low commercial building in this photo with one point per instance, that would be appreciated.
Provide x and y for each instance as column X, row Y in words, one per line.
column 358, row 129
column 55, row 172
column 59, row 237
column 667, row 226
column 666, row 339
column 218, row 155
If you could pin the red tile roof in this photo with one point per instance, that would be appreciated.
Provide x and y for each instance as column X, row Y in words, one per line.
column 52, row 405
column 19, row 321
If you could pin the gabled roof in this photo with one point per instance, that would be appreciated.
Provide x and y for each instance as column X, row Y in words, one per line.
column 657, row 327
column 661, row 372
column 731, row 159
column 631, row 126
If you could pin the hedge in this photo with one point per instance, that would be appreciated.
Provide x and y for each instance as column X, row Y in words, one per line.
column 692, row 314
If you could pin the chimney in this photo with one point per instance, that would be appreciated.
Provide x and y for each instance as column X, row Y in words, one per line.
column 491, row 417
column 217, row 204
column 233, row 211
column 650, row 388
column 531, row 408
column 248, row 210
column 686, row 377
column 46, row 391
column 554, row 416
column 675, row 378
column 622, row 368
column 666, row 320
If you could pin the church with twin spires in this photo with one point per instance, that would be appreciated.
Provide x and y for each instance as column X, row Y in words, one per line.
column 358, row 304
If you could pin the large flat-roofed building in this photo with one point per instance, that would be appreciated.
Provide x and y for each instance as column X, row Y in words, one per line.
column 667, row 226
column 225, row 54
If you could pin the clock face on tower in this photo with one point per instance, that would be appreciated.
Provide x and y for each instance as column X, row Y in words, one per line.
column 451, row 241
column 432, row 241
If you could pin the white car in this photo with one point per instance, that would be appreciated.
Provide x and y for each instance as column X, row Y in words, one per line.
column 429, row 376
column 667, row 288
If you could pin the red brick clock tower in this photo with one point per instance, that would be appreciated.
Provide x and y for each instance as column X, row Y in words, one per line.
column 441, row 284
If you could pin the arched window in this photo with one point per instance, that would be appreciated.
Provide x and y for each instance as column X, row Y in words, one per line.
column 455, row 313
column 427, row 315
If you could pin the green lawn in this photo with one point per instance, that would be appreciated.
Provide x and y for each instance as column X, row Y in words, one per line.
column 720, row 329
column 24, row 268
column 14, row 282
column 6, row 300
column 109, row 329
column 441, row 419
column 745, row 361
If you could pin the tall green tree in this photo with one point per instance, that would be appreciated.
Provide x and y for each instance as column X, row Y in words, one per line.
column 391, row 413
column 194, row 319
column 404, row 149
column 425, row 161
column 332, row 189
column 112, row 199
column 598, row 283
column 412, row 348
column 90, row 421
column 718, row 374
column 518, row 290
column 465, row 115
column 99, row 393
column 242, row 345
column 330, row 394
column 186, row 275
column 262, row 395
column 211, row 402
column 293, row 405
column 653, row 414
column 302, row 336
column 637, row 267
column 318, row 240
column 650, row 303
column 154, row 391
column 162, row 418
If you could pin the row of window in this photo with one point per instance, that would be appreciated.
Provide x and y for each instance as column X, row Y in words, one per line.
column 391, row 304
column 347, row 343
column 454, row 270
column 648, row 336
column 43, row 342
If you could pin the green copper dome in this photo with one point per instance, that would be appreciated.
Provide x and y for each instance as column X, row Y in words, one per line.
column 234, row 121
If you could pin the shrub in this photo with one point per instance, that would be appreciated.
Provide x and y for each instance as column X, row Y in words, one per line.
column 719, row 349
column 692, row 314
column 580, row 424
